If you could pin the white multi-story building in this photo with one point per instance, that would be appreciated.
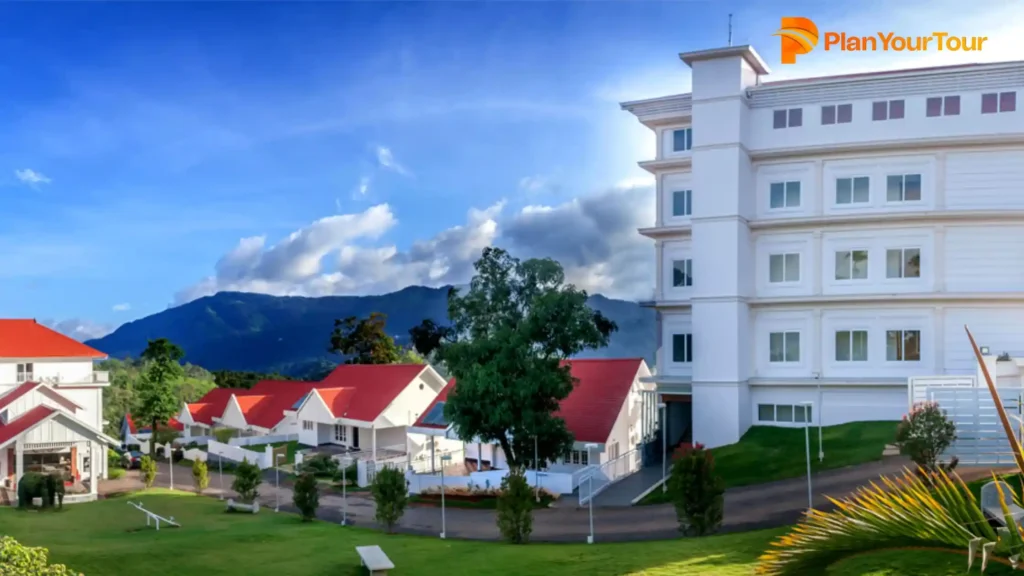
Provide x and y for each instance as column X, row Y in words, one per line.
column 822, row 240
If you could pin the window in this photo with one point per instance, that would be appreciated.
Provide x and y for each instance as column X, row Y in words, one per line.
column 681, row 202
column 903, row 188
column 903, row 345
column 783, row 413
column 852, row 346
column 855, row 190
column 682, row 273
column 998, row 102
column 837, row 114
column 784, row 347
column 783, row 268
column 943, row 106
column 891, row 110
column 682, row 139
column 581, row 457
column 340, row 433
column 784, row 195
column 307, row 424
column 682, row 348
column 903, row 263
column 26, row 373
column 792, row 118
column 852, row 265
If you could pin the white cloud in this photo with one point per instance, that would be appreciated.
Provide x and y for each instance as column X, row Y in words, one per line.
column 386, row 160
column 31, row 177
column 532, row 184
column 364, row 185
column 79, row 329
column 123, row 307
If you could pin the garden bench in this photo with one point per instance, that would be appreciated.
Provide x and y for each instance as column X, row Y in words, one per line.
column 990, row 502
column 375, row 560
column 241, row 506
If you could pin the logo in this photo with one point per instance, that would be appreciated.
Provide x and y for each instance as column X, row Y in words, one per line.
column 798, row 35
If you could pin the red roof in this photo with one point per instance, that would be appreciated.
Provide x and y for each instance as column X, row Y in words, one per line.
column 270, row 400
column 25, row 422
column 172, row 423
column 26, row 387
column 131, row 424
column 212, row 404
column 441, row 397
column 374, row 388
column 29, row 339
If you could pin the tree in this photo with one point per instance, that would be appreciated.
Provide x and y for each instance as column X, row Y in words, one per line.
column 924, row 434
column 506, row 344
column 515, row 507
column 200, row 475
column 365, row 341
column 411, row 356
column 20, row 560
column 159, row 403
column 306, row 496
column 248, row 478
column 148, row 469
column 390, row 494
column 237, row 379
column 697, row 492
column 223, row 435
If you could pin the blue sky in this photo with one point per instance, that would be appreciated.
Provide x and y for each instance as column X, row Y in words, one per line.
column 155, row 152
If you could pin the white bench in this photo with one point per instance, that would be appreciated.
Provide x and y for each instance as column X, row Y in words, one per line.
column 375, row 560
column 254, row 507
column 990, row 502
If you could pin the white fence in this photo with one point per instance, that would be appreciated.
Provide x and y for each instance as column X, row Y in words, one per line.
column 607, row 474
column 195, row 454
column 431, row 464
column 263, row 459
column 919, row 386
column 257, row 440
column 981, row 438
column 554, row 482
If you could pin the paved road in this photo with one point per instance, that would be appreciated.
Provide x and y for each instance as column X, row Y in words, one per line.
column 763, row 506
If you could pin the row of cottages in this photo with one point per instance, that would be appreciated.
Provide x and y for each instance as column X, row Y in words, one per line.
column 51, row 409
column 605, row 413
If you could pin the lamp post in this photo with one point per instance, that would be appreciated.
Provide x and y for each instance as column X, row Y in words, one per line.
column 220, row 470
column 807, row 443
column 536, row 471
column 345, row 462
column 170, row 460
column 664, row 447
column 277, row 480
column 444, row 458
column 821, row 404
column 590, row 500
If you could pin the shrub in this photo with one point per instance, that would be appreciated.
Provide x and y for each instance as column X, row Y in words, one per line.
column 346, row 474
column 200, row 475
column 306, row 496
column 924, row 434
column 114, row 459
column 321, row 466
column 148, row 468
column 391, row 494
column 49, row 488
column 248, row 478
column 697, row 492
column 115, row 473
column 515, row 507
column 19, row 560
column 223, row 434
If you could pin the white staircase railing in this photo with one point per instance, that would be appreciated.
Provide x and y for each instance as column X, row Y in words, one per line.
column 606, row 474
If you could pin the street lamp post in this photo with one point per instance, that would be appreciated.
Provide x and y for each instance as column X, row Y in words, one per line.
column 536, row 471
column 444, row 458
column 277, row 480
column 807, row 444
column 220, row 470
column 170, row 460
column 821, row 404
column 590, row 500
column 345, row 461
column 664, row 447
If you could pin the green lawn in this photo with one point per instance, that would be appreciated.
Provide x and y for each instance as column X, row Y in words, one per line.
column 768, row 453
column 109, row 538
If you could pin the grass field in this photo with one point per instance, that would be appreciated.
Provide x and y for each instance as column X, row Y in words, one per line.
column 109, row 538
column 769, row 453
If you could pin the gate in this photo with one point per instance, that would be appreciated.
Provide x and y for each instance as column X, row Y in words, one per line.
column 981, row 439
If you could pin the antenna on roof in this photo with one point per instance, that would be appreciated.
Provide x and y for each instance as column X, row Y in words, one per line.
column 730, row 29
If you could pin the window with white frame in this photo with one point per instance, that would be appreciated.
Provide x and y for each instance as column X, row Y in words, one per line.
column 613, row 451
column 784, row 347
column 682, row 348
column 903, row 263
column 891, row 110
column 581, row 457
column 855, row 190
column 791, row 118
column 783, row 268
column 995, row 102
column 340, row 433
column 307, row 424
column 851, row 346
column 682, row 273
column 903, row 345
column 783, row 413
column 784, row 195
column 852, row 265
column 682, row 202
column 682, row 139
column 837, row 114
column 26, row 372
column 903, row 188
column 942, row 106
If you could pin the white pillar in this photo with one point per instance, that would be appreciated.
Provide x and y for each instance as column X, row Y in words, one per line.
column 94, row 468
column 19, row 461
column 373, row 440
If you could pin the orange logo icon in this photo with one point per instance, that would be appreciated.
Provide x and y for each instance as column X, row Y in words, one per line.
column 799, row 36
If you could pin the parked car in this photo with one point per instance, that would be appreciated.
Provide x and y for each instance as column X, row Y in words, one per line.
column 132, row 460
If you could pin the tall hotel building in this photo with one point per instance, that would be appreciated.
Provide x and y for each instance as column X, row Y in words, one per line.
column 822, row 240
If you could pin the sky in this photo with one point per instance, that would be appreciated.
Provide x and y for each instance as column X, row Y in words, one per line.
column 154, row 153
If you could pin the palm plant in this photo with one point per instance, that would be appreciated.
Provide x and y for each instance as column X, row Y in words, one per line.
column 929, row 509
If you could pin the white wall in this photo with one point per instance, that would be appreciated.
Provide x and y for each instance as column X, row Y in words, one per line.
column 837, row 404
column 410, row 402
column 54, row 432
column 556, row 483
column 65, row 370
column 233, row 417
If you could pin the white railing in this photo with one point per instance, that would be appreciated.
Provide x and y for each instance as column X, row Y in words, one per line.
column 918, row 387
column 607, row 474
column 425, row 464
column 100, row 377
column 256, row 440
column 579, row 475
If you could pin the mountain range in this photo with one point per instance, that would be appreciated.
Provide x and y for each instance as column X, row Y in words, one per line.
column 290, row 334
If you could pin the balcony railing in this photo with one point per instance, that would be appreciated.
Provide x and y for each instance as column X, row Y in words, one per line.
column 100, row 377
column 95, row 377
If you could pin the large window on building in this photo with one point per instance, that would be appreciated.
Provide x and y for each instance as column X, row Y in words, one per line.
column 682, row 273
column 26, row 372
column 784, row 195
column 903, row 263
column 942, row 106
column 851, row 346
column 903, row 345
column 856, row 190
column 682, row 348
column 682, row 139
column 783, row 268
column 852, row 265
column 682, row 202
column 996, row 102
column 837, row 114
column 784, row 347
column 903, row 188
column 790, row 118
column 887, row 110
column 784, row 413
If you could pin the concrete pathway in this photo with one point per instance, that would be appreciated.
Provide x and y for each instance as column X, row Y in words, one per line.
column 623, row 492
column 770, row 505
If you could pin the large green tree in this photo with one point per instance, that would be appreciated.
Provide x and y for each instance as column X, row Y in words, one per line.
column 365, row 340
column 505, row 345
column 239, row 379
column 158, row 398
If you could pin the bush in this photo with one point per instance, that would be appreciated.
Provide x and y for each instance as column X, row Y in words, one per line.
column 347, row 474
column 19, row 560
column 306, row 496
column 321, row 466
column 248, row 478
column 115, row 473
column 200, row 475
column 223, row 434
column 697, row 493
column 49, row 488
column 114, row 460
column 148, row 467
column 391, row 494
column 924, row 434
column 515, row 507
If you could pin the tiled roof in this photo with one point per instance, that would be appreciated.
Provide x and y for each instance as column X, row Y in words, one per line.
column 25, row 422
column 29, row 339
column 131, row 423
column 172, row 423
column 374, row 387
column 441, row 397
column 212, row 404
column 270, row 398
